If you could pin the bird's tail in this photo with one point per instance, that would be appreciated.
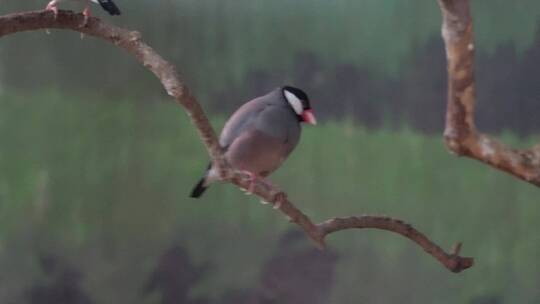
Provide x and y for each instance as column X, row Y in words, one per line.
column 203, row 183
column 110, row 7
column 199, row 188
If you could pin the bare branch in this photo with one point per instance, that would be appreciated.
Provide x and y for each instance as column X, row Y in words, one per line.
column 460, row 134
column 132, row 43
column 452, row 261
column 165, row 72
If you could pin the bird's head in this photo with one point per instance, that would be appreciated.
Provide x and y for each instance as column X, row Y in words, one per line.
column 299, row 102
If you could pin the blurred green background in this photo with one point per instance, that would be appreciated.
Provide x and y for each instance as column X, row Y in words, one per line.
column 96, row 162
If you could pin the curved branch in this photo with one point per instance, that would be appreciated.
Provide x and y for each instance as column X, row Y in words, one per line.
column 461, row 135
column 165, row 72
column 452, row 260
column 131, row 42
column 318, row 232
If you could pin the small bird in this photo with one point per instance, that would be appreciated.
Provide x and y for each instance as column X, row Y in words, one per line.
column 107, row 5
column 260, row 135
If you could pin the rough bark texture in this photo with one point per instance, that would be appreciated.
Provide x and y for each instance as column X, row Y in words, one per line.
column 165, row 72
column 461, row 135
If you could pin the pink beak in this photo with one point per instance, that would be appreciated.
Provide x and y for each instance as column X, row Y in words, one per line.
column 308, row 117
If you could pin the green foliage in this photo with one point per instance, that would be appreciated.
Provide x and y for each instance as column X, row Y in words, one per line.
column 104, row 183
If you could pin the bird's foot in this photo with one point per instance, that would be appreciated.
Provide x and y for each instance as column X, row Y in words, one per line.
column 267, row 183
column 252, row 181
column 53, row 8
column 86, row 13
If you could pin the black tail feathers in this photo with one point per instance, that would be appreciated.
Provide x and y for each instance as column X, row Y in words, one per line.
column 110, row 7
column 199, row 189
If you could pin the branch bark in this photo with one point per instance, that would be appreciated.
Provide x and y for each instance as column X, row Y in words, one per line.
column 461, row 135
column 131, row 42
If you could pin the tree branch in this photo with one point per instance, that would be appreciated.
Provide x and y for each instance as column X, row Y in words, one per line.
column 165, row 72
column 461, row 135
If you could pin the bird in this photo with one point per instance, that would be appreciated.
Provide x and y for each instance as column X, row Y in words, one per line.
column 261, row 134
column 107, row 5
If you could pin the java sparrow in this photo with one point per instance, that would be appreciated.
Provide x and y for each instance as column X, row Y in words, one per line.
column 107, row 5
column 259, row 136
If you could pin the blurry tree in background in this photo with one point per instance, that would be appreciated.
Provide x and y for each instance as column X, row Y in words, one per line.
column 385, row 58
column 174, row 277
column 61, row 284
column 95, row 168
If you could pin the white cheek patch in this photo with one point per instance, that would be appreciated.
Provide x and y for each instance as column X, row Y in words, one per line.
column 295, row 103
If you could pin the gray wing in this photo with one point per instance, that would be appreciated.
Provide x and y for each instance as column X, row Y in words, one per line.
column 269, row 114
column 243, row 119
column 266, row 141
column 281, row 123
